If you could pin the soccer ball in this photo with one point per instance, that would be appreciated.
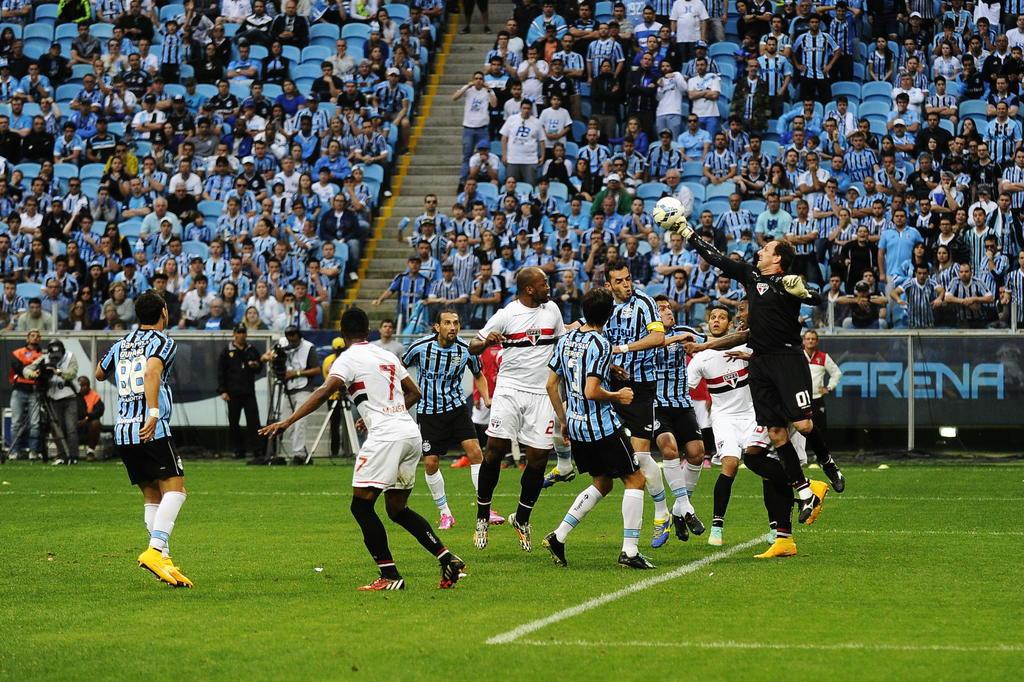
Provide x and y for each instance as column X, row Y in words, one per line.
column 666, row 211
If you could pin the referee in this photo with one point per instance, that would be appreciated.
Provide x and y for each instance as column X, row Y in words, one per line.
column 237, row 369
column 780, row 382
column 636, row 331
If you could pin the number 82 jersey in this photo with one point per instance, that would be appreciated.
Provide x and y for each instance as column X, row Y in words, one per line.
column 126, row 362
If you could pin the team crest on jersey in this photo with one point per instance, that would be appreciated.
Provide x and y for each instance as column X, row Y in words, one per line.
column 533, row 336
column 426, row 446
column 761, row 288
column 731, row 379
column 657, row 424
column 495, row 423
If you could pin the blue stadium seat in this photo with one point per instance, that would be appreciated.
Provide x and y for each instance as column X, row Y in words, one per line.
column 557, row 190
column 194, row 248
column 655, row 289
column 373, row 171
column 29, row 290
column 17, row 28
column 66, row 31
column 719, row 191
column 330, row 31
column 91, row 171
column 693, row 168
column 876, row 91
column 46, row 13
column 488, row 192
column 316, row 53
column 973, row 106
column 771, row 148
column 35, row 48
column 948, row 126
column 79, row 71
column 723, row 49
column 100, row 31
column 400, row 13
column 698, row 191
column 652, row 190
column 68, row 91
column 63, row 171
column 755, row 206
column 130, row 229
column 875, row 108
column 878, row 127
column 211, row 209
column 356, row 31
column 171, row 11
column 306, row 71
column 848, row 88
column 572, row 150
column 258, row 52
column 44, row 31
column 29, row 170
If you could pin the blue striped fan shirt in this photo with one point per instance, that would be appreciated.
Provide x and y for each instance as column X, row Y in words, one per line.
column 125, row 364
column 719, row 163
column 440, row 373
column 773, row 70
column 578, row 355
column 919, row 303
column 860, row 164
column 815, row 51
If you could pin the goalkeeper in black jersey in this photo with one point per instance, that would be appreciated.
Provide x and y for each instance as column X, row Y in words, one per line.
column 780, row 382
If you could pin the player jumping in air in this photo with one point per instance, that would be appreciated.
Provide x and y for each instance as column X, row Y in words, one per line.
column 780, row 382
column 581, row 363
column 675, row 421
column 382, row 392
column 527, row 328
column 139, row 364
column 444, row 412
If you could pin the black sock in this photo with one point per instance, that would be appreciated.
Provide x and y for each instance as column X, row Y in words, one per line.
column 374, row 536
column 532, row 482
column 486, row 483
column 816, row 442
column 710, row 445
column 778, row 499
column 723, row 489
column 420, row 529
column 791, row 465
column 765, row 467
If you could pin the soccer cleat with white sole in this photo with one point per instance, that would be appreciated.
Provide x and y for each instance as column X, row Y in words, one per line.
column 660, row 536
column 381, row 584
column 446, row 522
column 715, row 538
column 555, row 476
column 480, row 533
column 153, row 561
column 524, row 531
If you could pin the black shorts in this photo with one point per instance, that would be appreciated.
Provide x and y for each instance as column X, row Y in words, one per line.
column 154, row 460
column 638, row 416
column 681, row 422
column 780, row 385
column 611, row 456
column 447, row 429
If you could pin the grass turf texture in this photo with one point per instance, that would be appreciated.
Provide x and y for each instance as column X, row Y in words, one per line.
column 914, row 573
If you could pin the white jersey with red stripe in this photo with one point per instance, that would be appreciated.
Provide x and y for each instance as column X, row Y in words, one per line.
column 373, row 377
column 726, row 380
column 530, row 337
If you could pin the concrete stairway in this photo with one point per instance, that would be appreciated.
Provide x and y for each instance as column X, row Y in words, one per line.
column 435, row 163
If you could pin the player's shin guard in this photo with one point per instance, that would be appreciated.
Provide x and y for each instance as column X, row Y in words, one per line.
column 374, row 536
column 532, row 482
column 632, row 518
column 585, row 501
column 163, row 520
column 418, row 527
column 488, row 481
column 655, row 485
column 435, row 482
column 723, row 490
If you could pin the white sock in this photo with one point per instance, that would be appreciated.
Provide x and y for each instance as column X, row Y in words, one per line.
column 163, row 520
column 674, row 477
column 149, row 513
column 690, row 475
column 436, row 484
column 632, row 518
column 655, row 486
column 474, row 475
column 564, row 454
column 585, row 501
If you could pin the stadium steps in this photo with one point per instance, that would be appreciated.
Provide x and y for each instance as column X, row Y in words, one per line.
column 434, row 164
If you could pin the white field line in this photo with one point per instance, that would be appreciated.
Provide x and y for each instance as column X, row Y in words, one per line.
column 346, row 493
column 571, row 612
column 838, row 646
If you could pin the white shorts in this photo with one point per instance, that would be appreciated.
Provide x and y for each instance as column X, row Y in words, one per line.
column 527, row 418
column 481, row 413
column 700, row 409
column 388, row 464
column 760, row 439
column 734, row 434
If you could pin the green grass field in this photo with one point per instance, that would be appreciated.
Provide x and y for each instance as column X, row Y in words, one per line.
column 916, row 573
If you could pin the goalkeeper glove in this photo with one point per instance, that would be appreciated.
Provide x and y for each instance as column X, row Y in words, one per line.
column 794, row 285
column 680, row 226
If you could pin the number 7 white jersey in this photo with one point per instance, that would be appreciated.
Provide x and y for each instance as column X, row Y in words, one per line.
column 373, row 378
column 726, row 379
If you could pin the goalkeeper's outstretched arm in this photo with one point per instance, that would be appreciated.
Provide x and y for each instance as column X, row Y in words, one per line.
column 737, row 270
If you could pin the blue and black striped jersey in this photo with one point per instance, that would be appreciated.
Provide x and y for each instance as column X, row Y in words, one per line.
column 632, row 320
column 440, row 373
column 671, row 390
column 125, row 363
column 578, row 355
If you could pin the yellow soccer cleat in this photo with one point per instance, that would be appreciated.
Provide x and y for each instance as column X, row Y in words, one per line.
column 153, row 561
column 782, row 547
column 820, row 489
column 176, row 572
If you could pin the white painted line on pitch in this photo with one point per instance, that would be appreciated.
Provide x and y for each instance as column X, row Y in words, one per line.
column 525, row 629
column 850, row 646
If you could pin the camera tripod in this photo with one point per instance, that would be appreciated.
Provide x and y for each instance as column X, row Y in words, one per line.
column 352, row 439
column 277, row 396
column 56, row 428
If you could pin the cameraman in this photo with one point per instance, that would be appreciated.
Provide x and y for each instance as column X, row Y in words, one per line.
column 237, row 370
column 337, row 345
column 295, row 363
column 56, row 372
column 24, row 405
column 90, row 410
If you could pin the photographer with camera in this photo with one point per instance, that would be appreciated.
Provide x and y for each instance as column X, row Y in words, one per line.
column 56, row 372
column 294, row 363
column 24, row 405
column 237, row 370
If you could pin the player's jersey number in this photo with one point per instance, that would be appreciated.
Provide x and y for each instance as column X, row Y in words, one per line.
column 131, row 374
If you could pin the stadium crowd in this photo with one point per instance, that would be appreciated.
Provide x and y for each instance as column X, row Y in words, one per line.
column 881, row 138
column 229, row 154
